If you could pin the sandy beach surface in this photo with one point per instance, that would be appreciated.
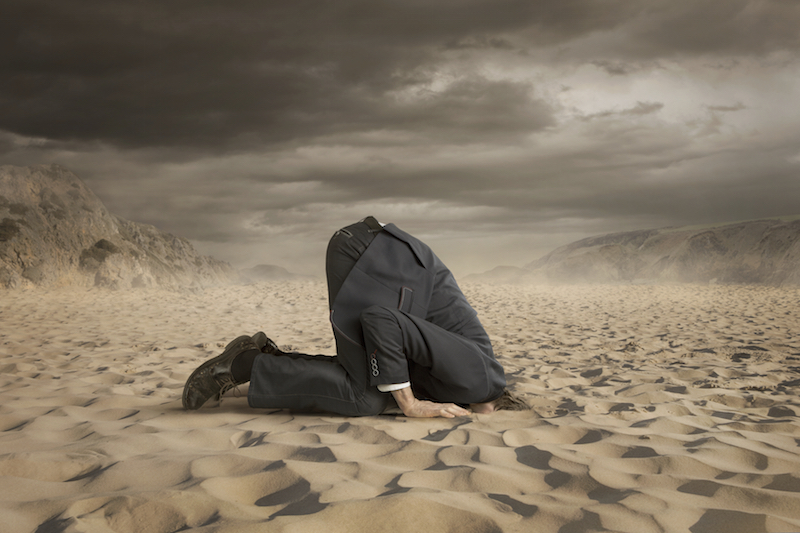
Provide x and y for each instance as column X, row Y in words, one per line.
column 655, row 409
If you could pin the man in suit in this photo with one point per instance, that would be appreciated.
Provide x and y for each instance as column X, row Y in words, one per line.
column 405, row 335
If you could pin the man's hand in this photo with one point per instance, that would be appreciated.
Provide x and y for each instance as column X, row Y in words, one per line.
column 415, row 408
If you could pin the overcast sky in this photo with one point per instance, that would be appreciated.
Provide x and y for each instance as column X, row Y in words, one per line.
column 496, row 130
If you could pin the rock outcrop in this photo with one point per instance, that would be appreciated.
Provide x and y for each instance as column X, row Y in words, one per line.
column 753, row 252
column 54, row 231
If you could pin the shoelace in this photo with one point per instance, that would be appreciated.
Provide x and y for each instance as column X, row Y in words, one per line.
column 227, row 383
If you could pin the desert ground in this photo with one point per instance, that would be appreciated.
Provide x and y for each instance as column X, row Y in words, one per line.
column 654, row 409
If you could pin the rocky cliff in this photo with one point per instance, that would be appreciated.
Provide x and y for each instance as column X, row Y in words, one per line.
column 757, row 252
column 54, row 231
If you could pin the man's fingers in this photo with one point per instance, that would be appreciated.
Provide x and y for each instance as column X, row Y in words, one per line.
column 429, row 409
column 454, row 410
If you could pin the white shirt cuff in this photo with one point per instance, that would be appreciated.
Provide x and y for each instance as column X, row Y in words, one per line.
column 389, row 387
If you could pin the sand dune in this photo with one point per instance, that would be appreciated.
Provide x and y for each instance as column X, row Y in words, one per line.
column 655, row 409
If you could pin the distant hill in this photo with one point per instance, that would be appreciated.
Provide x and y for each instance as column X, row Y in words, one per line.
column 763, row 251
column 504, row 274
column 268, row 273
column 54, row 231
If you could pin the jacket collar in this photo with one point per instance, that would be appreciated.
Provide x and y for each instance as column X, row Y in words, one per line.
column 421, row 251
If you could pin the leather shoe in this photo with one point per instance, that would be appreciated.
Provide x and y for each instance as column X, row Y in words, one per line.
column 265, row 344
column 213, row 378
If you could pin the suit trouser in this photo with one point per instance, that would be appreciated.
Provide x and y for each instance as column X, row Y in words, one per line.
column 441, row 359
column 320, row 382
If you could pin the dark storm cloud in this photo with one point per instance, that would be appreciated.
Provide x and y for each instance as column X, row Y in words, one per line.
column 661, row 29
column 207, row 74
column 232, row 123
column 214, row 75
column 154, row 73
column 717, row 26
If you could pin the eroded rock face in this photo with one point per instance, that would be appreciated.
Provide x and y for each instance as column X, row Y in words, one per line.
column 757, row 252
column 54, row 231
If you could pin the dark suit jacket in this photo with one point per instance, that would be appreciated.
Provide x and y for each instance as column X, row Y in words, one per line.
column 399, row 271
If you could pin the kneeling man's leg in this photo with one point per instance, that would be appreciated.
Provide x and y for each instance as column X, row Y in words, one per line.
column 445, row 366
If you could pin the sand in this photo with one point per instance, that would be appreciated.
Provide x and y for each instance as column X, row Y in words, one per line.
column 655, row 409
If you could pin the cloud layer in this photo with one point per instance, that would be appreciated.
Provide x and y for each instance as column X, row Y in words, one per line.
column 496, row 130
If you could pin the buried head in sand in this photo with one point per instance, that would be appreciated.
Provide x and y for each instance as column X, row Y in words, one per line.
column 405, row 336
